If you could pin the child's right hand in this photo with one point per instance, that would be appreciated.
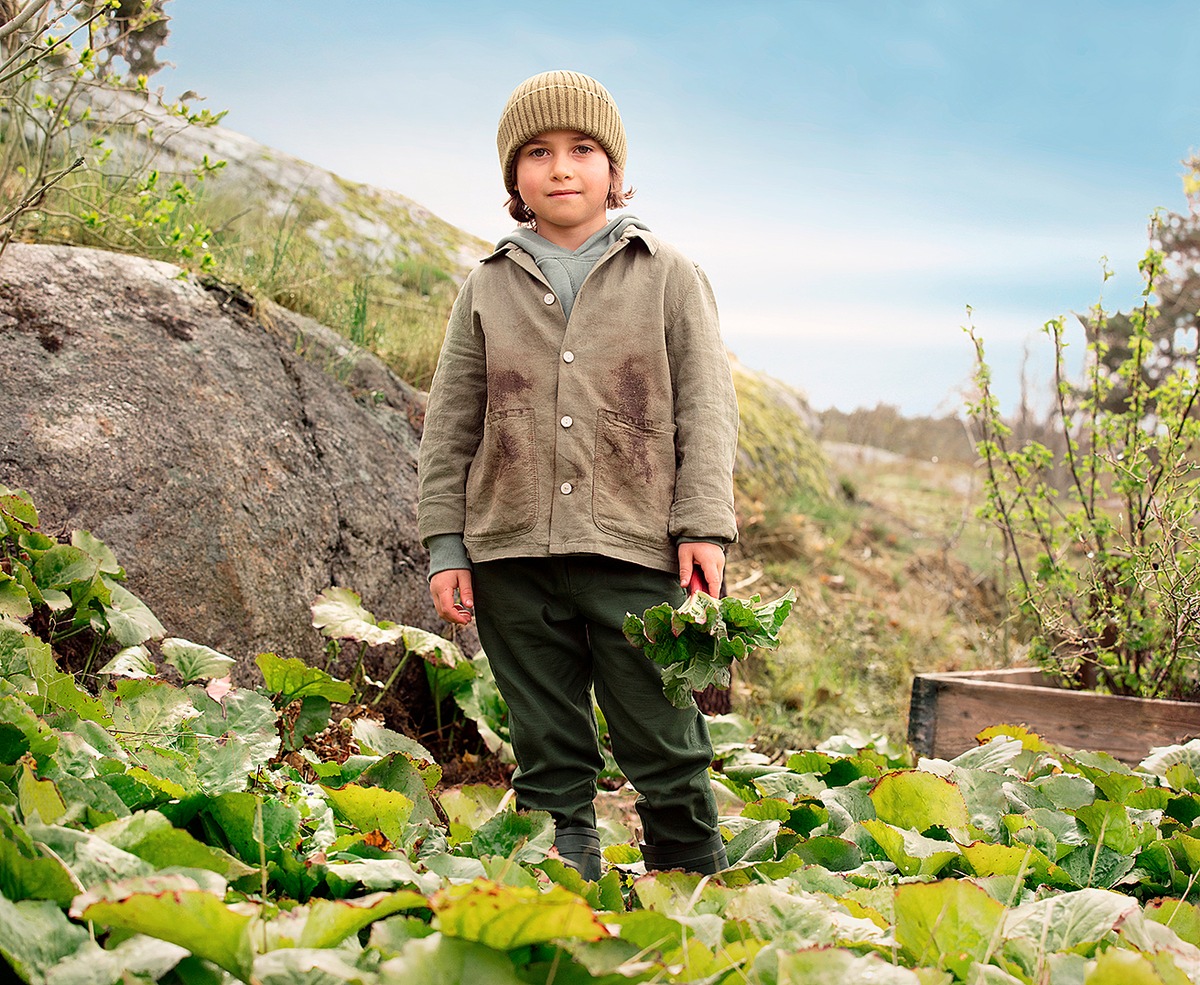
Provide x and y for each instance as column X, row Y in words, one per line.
column 453, row 596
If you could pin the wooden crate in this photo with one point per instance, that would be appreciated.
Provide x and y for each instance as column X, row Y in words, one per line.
column 948, row 710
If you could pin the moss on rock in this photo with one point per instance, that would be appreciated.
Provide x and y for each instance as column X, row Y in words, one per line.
column 780, row 462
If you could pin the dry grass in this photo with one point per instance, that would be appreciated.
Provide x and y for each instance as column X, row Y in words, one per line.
column 897, row 579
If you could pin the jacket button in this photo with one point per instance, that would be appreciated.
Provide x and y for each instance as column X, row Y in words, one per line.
column 549, row 298
column 568, row 356
column 566, row 489
column 566, row 421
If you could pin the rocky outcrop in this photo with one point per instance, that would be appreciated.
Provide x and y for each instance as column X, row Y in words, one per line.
column 238, row 461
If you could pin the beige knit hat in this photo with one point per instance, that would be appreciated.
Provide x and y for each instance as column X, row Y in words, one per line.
column 558, row 101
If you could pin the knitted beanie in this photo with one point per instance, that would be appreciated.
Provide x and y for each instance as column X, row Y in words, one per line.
column 558, row 101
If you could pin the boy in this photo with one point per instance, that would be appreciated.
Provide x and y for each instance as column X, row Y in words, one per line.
column 577, row 465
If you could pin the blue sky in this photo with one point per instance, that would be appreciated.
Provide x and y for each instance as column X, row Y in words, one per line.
column 852, row 174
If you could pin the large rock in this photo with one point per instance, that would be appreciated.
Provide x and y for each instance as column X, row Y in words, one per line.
column 238, row 461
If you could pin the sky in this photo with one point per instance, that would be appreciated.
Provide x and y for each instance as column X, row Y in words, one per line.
column 858, row 178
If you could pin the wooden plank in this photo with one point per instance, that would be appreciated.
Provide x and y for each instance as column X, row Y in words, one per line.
column 948, row 710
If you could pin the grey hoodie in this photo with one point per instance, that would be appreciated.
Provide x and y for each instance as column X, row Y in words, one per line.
column 566, row 270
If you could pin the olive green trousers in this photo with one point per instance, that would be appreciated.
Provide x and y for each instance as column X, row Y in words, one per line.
column 551, row 629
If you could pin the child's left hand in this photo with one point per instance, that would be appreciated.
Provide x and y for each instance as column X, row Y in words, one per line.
column 708, row 560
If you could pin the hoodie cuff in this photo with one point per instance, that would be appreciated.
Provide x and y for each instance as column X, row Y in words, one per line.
column 716, row 541
column 447, row 551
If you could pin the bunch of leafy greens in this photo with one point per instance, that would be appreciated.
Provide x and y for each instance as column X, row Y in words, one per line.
column 697, row 643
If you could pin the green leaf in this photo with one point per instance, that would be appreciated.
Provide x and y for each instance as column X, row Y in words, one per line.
column 63, row 567
column 372, row 809
column 521, row 837
column 441, row 960
column 241, row 714
column 830, row 966
column 129, row 619
column 829, row 852
column 38, row 799
column 23, row 876
column 136, row 959
column 312, row 719
column 17, row 510
column 1096, row 866
column 947, row 924
column 377, row 740
column 507, row 917
column 1117, row 966
column 373, row 874
column 753, row 844
column 398, row 772
column 1180, row 916
column 91, row 859
column 14, row 599
column 1162, row 758
column 1010, row 860
column 23, row 655
column 293, row 678
column 912, row 853
column 338, row 614
column 191, row 918
column 918, row 800
column 237, row 816
column 133, row 661
column 21, row 732
column 147, row 711
column 151, row 838
column 1108, row 823
column 1076, row 921
column 332, row 921
column 194, row 661
column 99, row 550
column 35, row 936
column 63, row 691
column 430, row 647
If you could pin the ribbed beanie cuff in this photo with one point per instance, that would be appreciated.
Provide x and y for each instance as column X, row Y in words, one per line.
column 558, row 101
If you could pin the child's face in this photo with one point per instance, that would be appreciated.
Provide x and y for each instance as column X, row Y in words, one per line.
column 563, row 177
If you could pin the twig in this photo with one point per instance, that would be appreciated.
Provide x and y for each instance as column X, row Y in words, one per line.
column 35, row 196
column 18, row 22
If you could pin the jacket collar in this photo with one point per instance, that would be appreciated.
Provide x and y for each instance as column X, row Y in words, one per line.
column 648, row 239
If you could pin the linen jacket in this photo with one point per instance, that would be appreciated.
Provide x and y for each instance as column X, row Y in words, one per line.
column 614, row 433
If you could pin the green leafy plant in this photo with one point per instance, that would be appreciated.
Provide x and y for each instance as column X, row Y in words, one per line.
column 697, row 643
column 72, row 589
column 1102, row 532
column 339, row 615
column 153, row 832
column 82, row 132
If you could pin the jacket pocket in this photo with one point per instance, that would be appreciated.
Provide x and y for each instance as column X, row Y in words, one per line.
column 502, row 481
column 634, row 482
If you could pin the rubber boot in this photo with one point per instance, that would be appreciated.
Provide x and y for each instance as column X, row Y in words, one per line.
column 706, row 857
column 580, row 849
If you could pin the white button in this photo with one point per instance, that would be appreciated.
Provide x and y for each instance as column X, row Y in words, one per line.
column 549, row 298
column 568, row 356
column 566, row 488
column 566, row 421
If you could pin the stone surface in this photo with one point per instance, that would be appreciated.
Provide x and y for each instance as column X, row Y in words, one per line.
column 238, row 461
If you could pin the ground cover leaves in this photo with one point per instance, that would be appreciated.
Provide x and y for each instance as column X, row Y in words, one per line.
column 161, row 839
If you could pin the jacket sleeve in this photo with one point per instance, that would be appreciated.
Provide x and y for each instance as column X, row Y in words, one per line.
column 453, row 423
column 706, row 417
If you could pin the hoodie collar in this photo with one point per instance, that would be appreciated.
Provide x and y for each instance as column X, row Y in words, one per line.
column 631, row 231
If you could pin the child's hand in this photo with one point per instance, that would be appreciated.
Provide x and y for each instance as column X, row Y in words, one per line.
column 708, row 559
column 453, row 596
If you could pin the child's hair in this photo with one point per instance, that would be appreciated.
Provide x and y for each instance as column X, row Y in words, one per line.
column 617, row 198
